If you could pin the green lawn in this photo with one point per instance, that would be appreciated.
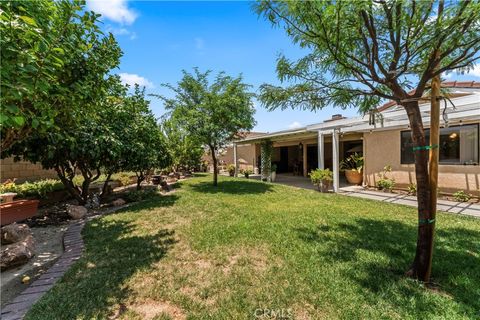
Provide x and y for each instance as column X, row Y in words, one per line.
column 222, row 253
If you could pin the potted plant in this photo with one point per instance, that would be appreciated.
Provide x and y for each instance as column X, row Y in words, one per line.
column 231, row 170
column 247, row 172
column 322, row 178
column 385, row 183
column 353, row 168
column 273, row 172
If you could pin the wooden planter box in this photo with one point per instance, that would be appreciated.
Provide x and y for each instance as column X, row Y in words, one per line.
column 17, row 211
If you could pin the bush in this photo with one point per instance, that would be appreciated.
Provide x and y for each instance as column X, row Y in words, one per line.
column 37, row 189
column 321, row 177
column 412, row 189
column 246, row 172
column 462, row 196
column 385, row 183
column 231, row 170
column 139, row 195
column 273, row 167
column 123, row 177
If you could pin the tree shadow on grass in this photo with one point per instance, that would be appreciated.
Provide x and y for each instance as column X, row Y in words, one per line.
column 456, row 264
column 114, row 253
column 152, row 202
column 233, row 187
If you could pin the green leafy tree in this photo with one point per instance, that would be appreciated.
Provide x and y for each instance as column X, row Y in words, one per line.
column 212, row 113
column 360, row 52
column 54, row 60
column 186, row 151
column 144, row 146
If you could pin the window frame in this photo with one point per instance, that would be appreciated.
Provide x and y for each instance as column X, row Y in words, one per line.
column 477, row 125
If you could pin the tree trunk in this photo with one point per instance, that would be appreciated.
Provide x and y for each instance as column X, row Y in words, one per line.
column 69, row 185
column 140, row 178
column 422, row 262
column 105, row 186
column 215, row 165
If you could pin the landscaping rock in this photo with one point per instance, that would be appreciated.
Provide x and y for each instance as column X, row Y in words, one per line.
column 14, row 233
column 118, row 202
column 76, row 212
column 165, row 186
column 16, row 254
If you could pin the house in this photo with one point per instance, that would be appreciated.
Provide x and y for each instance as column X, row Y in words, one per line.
column 386, row 142
column 246, row 154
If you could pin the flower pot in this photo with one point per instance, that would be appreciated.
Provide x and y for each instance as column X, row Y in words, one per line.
column 354, row 177
column 17, row 211
column 324, row 186
column 273, row 176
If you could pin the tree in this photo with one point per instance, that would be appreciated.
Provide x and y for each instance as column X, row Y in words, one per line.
column 361, row 52
column 144, row 147
column 53, row 60
column 185, row 150
column 212, row 113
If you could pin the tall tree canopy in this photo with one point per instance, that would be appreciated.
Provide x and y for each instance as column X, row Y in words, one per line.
column 214, row 113
column 54, row 62
column 360, row 52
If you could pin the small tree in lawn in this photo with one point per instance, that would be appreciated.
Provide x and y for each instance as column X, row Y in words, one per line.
column 185, row 149
column 144, row 147
column 363, row 51
column 54, row 58
column 213, row 113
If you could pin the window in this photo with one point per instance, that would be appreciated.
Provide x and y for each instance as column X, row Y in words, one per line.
column 458, row 145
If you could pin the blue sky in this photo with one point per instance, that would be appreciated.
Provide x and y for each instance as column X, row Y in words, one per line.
column 159, row 39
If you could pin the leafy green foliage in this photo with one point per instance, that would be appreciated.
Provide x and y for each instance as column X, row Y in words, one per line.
column 213, row 113
column 321, row 175
column 54, row 62
column 362, row 51
column 231, row 170
column 412, row 189
column 384, row 182
column 37, row 189
column 185, row 149
column 462, row 196
column 353, row 162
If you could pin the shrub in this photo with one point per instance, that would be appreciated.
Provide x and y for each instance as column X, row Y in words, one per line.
column 273, row 167
column 138, row 195
column 231, row 170
column 246, row 172
column 462, row 196
column 385, row 183
column 37, row 189
column 412, row 189
column 321, row 177
column 354, row 162
column 123, row 177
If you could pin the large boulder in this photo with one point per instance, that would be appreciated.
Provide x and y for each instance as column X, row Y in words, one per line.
column 76, row 212
column 14, row 233
column 16, row 254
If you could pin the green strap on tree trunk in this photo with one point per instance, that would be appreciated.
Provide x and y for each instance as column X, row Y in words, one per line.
column 426, row 221
column 433, row 146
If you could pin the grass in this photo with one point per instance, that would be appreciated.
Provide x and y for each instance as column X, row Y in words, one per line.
column 246, row 248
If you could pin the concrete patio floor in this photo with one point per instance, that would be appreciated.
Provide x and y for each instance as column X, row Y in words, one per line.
column 463, row 208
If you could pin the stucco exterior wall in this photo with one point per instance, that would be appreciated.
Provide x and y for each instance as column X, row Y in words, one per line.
column 23, row 171
column 245, row 154
column 383, row 148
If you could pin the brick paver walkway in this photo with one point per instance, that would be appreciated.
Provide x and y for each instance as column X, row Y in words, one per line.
column 73, row 246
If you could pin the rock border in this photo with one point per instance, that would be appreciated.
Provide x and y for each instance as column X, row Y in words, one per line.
column 73, row 249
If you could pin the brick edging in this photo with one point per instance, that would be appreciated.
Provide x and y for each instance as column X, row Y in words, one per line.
column 73, row 248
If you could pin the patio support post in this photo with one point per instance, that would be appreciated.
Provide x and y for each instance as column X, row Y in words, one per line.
column 336, row 159
column 235, row 159
column 321, row 151
column 305, row 162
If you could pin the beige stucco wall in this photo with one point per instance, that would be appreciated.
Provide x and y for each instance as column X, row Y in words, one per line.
column 245, row 153
column 383, row 148
column 23, row 171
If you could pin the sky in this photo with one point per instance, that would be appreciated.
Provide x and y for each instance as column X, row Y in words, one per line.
column 160, row 39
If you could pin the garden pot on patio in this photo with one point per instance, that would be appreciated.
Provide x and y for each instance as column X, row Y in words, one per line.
column 354, row 177
column 325, row 185
column 273, row 176
column 17, row 210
